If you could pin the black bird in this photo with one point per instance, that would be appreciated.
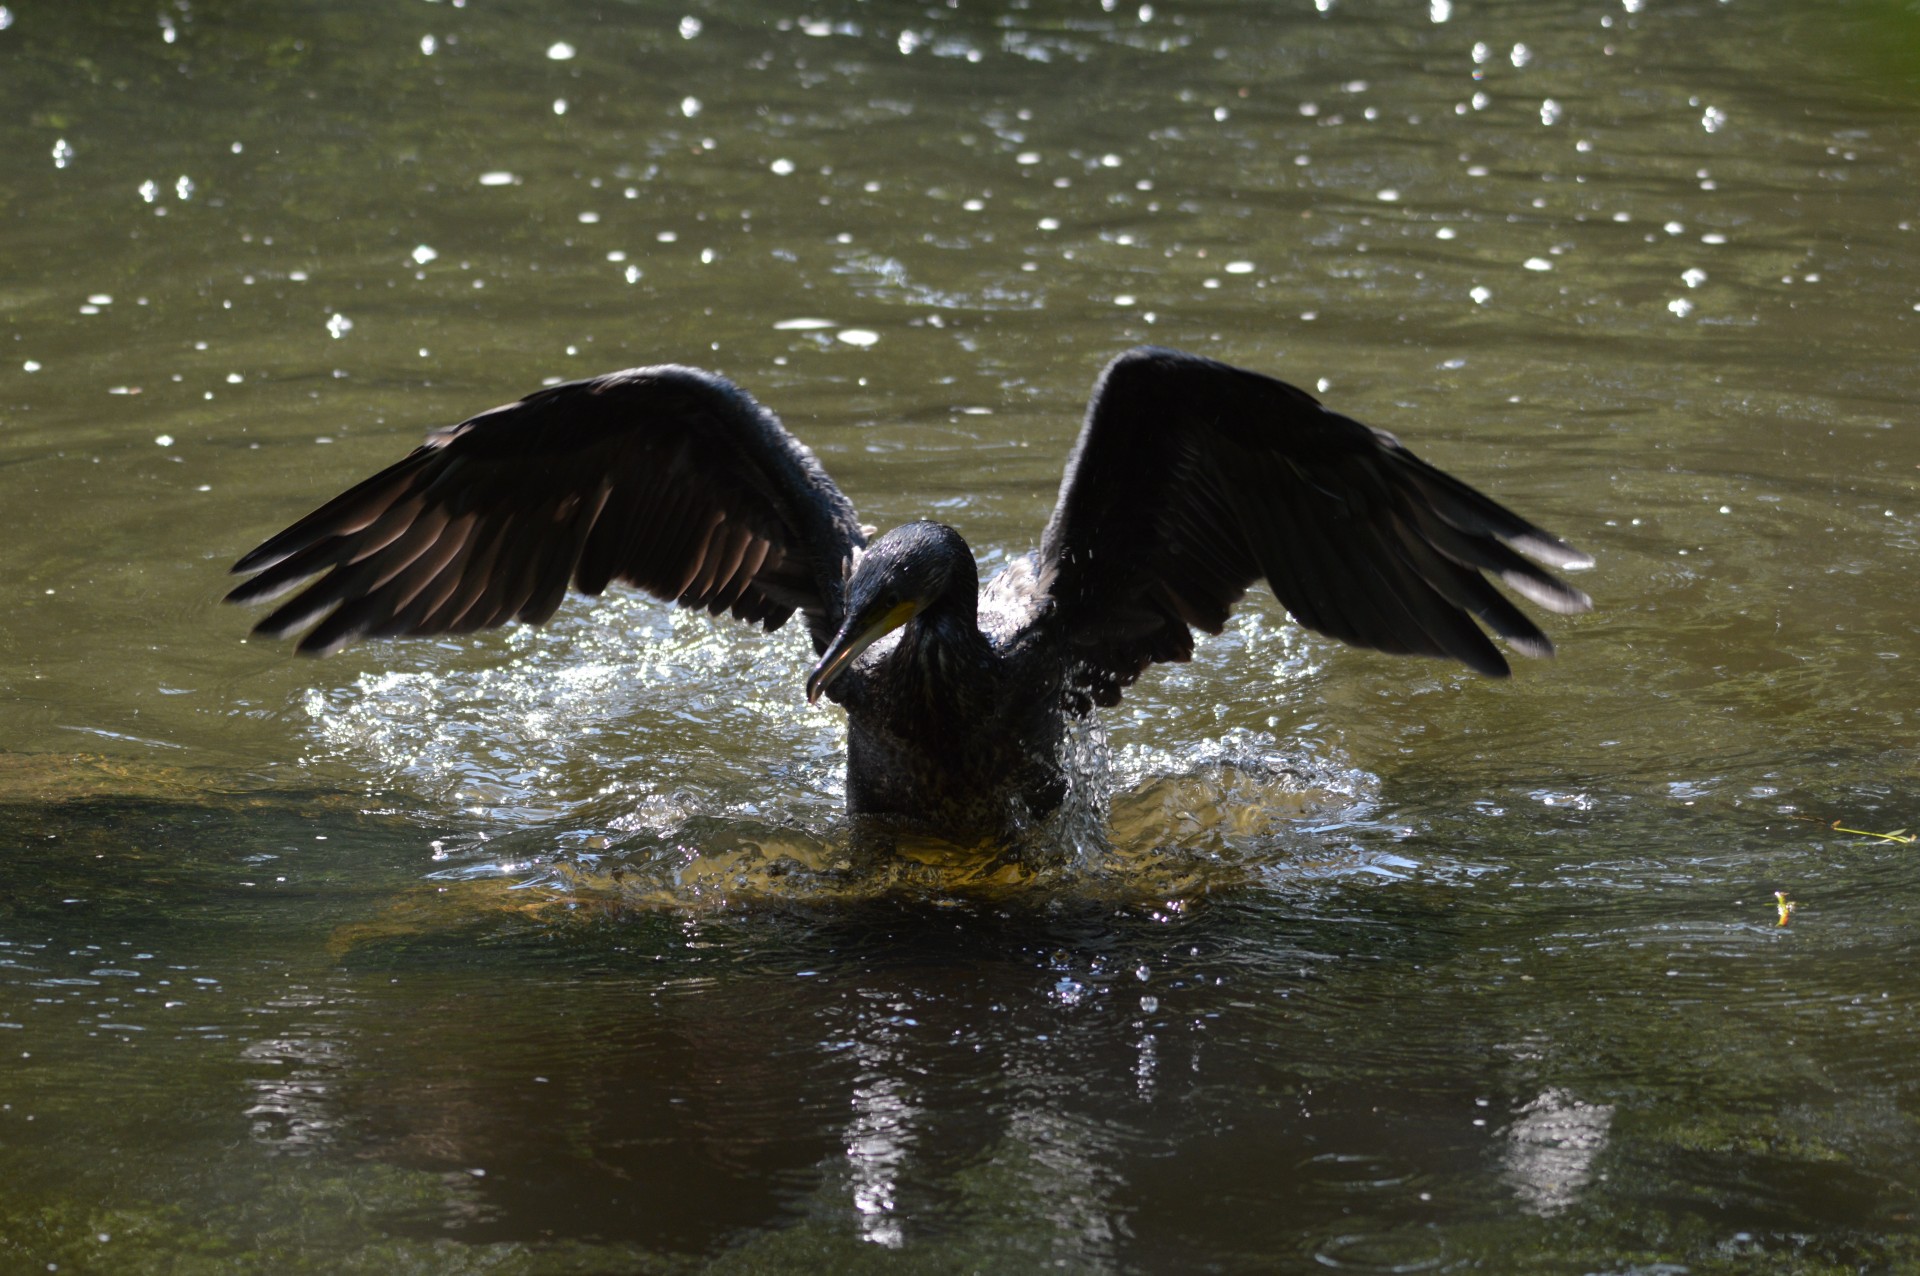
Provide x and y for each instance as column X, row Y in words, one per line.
column 1191, row 480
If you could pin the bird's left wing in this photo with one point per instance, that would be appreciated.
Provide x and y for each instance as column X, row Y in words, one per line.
column 669, row 478
column 1193, row 479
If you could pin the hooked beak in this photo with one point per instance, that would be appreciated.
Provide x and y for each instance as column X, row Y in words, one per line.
column 854, row 638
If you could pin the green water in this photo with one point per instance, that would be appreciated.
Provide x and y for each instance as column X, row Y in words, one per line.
column 479, row 955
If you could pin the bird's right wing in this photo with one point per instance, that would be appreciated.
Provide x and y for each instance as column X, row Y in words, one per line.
column 669, row 478
column 1193, row 479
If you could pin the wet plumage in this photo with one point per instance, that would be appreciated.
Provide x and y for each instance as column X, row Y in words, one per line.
column 1191, row 481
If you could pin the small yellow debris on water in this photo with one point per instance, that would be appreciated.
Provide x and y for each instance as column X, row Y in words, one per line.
column 1786, row 907
column 1898, row 835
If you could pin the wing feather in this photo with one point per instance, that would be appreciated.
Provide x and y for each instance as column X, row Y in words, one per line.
column 1192, row 480
column 668, row 478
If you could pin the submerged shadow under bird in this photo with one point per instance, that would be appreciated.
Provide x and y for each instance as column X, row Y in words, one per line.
column 1191, row 481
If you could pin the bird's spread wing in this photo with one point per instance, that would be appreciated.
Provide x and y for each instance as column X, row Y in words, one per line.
column 669, row 478
column 1192, row 480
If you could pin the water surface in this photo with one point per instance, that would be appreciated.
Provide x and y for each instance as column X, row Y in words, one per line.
column 536, row 951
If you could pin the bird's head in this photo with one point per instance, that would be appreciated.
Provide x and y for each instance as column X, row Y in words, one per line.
column 900, row 576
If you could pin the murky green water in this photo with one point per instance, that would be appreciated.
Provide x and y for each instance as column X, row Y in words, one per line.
column 473, row 955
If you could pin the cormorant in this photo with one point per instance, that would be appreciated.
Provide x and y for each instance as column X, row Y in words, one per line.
column 1191, row 480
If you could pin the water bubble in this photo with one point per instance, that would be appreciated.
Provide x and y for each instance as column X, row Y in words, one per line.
column 1439, row 10
column 1713, row 119
column 183, row 187
column 857, row 336
column 339, row 325
column 1537, row 263
column 498, row 177
column 1693, row 277
column 560, row 51
column 6, row 17
column 149, row 190
column 689, row 27
column 1481, row 295
column 1238, row 268
column 1521, row 55
column 782, row 167
column 428, row 44
column 1680, row 306
column 1388, row 196
column 164, row 440
column 62, row 153
column 1550, row 112
column 559, row 106
column 689, row 106
column 424, row 254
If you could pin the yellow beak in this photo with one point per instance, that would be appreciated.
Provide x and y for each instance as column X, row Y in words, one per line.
column 850, row 642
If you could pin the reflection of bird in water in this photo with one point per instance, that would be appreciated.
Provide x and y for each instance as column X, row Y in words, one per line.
column 1191, row 481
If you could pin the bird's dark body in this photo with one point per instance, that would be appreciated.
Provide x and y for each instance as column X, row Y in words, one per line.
column 1191, row 480
column 949, row 728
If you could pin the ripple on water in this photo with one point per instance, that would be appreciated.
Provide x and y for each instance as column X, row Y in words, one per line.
column 1400, row 1250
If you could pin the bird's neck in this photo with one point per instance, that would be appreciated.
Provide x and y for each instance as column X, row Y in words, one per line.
column 943, row 650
